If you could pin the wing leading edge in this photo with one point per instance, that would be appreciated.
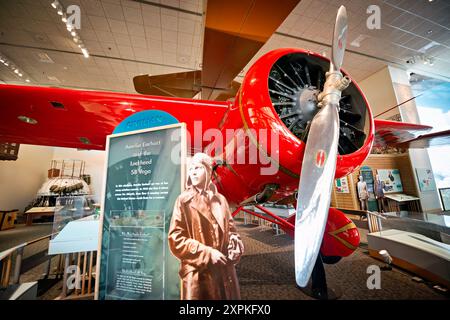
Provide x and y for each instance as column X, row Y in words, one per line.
column 82, row 119
column 407, row 135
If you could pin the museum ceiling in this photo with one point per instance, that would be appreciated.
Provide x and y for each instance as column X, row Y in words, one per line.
column 127, row 38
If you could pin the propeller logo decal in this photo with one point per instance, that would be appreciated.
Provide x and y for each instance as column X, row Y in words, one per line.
column 321, row 156
column 341, row 36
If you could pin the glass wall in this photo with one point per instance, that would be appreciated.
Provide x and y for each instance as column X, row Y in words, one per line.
column 433, row 106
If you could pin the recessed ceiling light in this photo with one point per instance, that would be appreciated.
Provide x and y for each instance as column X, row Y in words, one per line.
column 85, row 52
column 428, row 46
column 60, row 10
column 11, row 66
column 27, row 119
column 27, row 80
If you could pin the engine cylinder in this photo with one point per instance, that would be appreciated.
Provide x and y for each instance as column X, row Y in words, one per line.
column 271, row 114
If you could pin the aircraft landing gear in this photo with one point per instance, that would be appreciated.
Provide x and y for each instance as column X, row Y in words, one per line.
column 317, row 286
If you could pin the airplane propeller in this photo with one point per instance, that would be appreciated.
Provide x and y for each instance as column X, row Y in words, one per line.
column 319, row 162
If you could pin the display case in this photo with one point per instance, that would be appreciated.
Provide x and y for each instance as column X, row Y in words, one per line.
column 71, row 208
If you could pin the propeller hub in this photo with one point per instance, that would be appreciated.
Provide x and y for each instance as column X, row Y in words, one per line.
column 306, row 103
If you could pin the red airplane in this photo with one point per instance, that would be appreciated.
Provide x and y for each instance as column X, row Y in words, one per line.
column 323, row 123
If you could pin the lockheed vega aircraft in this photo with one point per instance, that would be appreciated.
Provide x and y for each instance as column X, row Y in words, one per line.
column 323, row 121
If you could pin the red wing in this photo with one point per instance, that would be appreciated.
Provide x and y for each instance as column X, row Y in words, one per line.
column 393, row 133
column 429, row 140
column 82, row 119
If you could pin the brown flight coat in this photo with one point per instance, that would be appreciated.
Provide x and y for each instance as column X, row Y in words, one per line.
column 202, row 221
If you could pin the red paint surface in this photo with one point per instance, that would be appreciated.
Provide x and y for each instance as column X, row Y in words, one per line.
column 94, row 115
column 89, row 114
column 349, row 239
column 240, row 181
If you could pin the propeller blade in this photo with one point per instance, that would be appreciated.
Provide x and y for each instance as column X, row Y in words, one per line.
column 339, row 38
column 319, row 162
column 316, row 180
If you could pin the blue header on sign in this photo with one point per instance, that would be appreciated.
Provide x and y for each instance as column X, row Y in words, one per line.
column 144, row 120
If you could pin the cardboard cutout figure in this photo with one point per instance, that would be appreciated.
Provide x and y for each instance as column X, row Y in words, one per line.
column 363, row 194
column 203, row 237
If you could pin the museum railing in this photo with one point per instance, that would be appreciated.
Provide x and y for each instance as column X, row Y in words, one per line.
column 374, row 221
column 76, row 270
column 13, row 264
column 79, row 276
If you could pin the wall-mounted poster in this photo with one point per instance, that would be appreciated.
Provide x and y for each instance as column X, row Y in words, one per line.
column 392, row 180
column 341, row 185
column 144, row 176
column 426, row 179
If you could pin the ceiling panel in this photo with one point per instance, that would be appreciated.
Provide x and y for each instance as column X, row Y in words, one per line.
column 126, row 38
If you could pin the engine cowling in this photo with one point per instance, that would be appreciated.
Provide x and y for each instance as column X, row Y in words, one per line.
column 278, row 94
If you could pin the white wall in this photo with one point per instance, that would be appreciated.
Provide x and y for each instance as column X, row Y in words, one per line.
column 21, row 179
column 419, row 157
column 379, row 93
column 385, row 89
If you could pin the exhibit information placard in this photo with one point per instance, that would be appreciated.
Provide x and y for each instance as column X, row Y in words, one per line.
column 391, row 179
column 145, row 175
column 341, row 185
column 426, row 179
